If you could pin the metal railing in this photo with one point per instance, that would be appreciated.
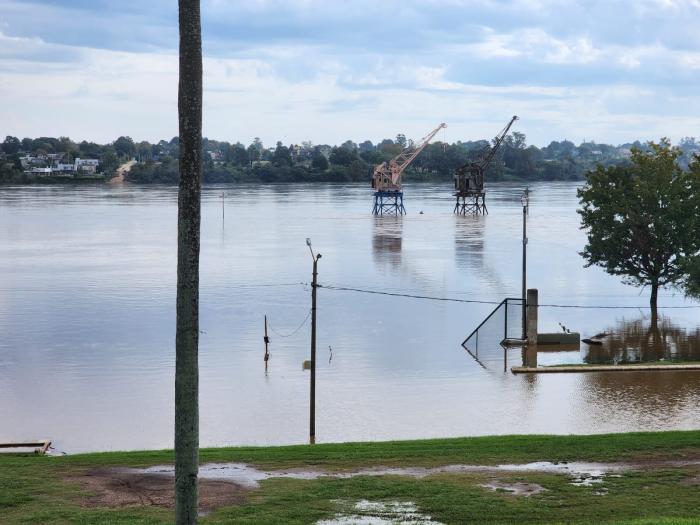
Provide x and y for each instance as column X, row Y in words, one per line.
column 509, row 312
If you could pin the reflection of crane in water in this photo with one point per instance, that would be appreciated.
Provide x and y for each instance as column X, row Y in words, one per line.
column 470, row 235
column 386, row 241
column 387, row 251
column 469, row 179
column 386, row 180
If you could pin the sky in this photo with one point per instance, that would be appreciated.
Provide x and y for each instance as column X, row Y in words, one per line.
column 328, row 71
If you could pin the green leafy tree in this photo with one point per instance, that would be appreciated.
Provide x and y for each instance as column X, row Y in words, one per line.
column 144, row 151
column 11, row 145
column 239, row 155
column 125, row 147
column 253, row 153
column 281, row 157
column 319, row 161
column 692, row 280
column 642, row 219
column 342, row 156
column 187, row 302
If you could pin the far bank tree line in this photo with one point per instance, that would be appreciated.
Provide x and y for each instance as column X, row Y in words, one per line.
column 348, row 162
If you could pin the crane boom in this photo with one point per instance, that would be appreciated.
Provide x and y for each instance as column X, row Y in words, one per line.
column 387, row 175
column 497, row 144
column 469, row 179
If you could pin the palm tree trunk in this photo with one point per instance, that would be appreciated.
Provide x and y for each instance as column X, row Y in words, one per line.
column 187, row 308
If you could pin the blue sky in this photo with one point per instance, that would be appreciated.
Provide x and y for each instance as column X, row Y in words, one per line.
column 328, row 71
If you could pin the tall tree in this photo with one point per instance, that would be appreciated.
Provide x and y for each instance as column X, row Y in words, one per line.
column 281, row 157
column 124, row 146
column 187, row 307
column 11, row 145
column 642, row 219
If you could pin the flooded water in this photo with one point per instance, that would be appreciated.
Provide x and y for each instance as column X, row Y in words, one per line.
column 248, row 476
column 87, row 310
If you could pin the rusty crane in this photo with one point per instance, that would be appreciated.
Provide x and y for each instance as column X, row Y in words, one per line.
column 386, row 180
column 469, row 179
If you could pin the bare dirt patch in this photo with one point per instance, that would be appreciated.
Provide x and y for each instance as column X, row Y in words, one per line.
column 123, row 488
column 121, row 172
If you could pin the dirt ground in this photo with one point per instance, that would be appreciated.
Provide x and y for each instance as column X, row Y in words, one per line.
column 120, row 488
column 121, row 171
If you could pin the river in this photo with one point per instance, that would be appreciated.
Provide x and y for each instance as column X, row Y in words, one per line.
column 87, row 311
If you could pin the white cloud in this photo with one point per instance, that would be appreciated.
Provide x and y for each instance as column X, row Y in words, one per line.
column 328, row 71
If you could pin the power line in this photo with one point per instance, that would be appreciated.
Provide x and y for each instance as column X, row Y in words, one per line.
column 264, row 285
column 475, row 301
column 618, row 307
column 204, row 287
column 295, row 330
column 412, row 296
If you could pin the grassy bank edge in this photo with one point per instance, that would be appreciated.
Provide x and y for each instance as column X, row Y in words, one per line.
column 42, row 489
column 484, row 450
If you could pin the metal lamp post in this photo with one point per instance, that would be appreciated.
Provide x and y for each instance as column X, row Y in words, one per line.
column 312, row 391
column 524, row 198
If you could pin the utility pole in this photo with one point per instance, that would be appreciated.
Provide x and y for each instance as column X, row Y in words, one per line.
column 524, row 201
column 312, row 400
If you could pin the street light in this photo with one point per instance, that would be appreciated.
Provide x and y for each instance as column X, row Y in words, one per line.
column 524, row 200
column 312, row 393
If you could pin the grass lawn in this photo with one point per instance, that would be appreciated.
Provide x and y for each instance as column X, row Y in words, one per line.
column 42, row 489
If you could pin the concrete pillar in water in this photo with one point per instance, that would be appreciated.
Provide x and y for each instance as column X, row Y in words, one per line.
column 532, row 316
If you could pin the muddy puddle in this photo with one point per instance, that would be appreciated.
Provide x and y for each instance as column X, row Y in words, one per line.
column 365, row 512
column 580, row 473
column 516, row 489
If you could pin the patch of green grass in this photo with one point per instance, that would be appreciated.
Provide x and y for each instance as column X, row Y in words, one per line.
column 487, row 450
column 34, row 489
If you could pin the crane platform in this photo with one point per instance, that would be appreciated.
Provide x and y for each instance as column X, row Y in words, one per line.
column 472, row 202
column 389, row 203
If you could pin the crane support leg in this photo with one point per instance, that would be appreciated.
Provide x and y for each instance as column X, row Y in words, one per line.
column 471, row 203
column 388, row 203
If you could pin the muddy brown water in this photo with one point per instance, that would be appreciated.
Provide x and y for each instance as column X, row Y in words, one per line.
column 87, row 295
column 581, row 473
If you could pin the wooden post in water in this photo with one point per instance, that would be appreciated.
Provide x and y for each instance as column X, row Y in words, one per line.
column 312, row 393
column 267, row 342
column 532, row 302
column 312, row 408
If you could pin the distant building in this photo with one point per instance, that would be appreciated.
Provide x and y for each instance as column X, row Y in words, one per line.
column 64, row 167
column 215, row 155
column 40, row 172
column 30, row 160
column 86, row 165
